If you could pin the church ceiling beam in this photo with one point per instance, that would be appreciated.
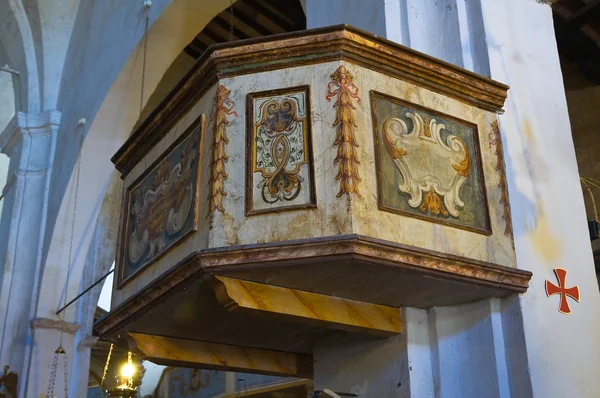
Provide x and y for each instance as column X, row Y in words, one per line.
column 308, row 308
column 195, row 354
column 213, row 34
column 272, row 16
column 226, row 25
column 247, row 20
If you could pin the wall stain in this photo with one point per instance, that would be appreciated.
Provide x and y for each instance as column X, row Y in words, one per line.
column 546, row 245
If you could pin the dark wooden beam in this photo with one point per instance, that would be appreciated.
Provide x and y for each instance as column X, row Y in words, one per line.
column 270, row 15
column 227, row 26
column 243, row 17
column 291, row 10
column 577, row 16
column 213, row 35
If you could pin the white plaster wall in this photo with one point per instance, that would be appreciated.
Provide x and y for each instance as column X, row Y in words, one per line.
column 19, row 46
column 354, row 364
column 80, row 61
column 113, row 123
column 545, row 353
column 7, row 111
column 546, row 199
column 362, row 14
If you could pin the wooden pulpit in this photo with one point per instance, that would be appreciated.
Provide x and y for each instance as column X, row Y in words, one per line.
column 305, row 184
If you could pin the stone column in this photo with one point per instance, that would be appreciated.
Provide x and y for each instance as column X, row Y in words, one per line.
column 46, row 338
column 29, row 140
column 403, row 21
column 546, row 199
column 520, row 346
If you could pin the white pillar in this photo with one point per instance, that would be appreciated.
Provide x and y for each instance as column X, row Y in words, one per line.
column 29, row 140
column 44, row 341
column 427, row 26
column 99, row 259
column 546, row 199
column 520, row 346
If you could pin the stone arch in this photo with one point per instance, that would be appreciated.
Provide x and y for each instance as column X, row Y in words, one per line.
column 17, row 42
column 110, row 127
column 173, row 28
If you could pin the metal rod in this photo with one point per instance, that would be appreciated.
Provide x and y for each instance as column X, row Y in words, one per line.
column 85, row 291
column 9, row 70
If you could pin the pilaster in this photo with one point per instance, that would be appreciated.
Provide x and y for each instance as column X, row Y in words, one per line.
column 29, row 140
column 46, row 336
column 521, row 346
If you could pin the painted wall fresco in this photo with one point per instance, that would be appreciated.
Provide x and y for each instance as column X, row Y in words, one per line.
column 162, row 205
column 195, row 383
column 428, row 165
column 279, row 151
column 246, row 381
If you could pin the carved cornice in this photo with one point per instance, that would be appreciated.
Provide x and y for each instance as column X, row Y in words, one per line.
column 335, row 43
column 46, row 323
column 35, row 124
column 203, row 265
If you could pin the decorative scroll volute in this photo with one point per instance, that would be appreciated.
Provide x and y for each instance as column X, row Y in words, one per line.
column 223, row 106
column 345, row 91
column 432, row 166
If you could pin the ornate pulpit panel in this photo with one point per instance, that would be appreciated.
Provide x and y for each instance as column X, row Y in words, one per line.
column 279, row 151
column 161, row 207
column 306, row 183
column 428, row 165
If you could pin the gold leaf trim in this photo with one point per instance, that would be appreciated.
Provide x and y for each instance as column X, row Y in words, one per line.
column 223, row 106
column 433, row 203
column 464, row 167
column 343, row 88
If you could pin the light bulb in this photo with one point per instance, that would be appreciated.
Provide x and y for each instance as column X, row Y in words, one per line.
column 128, row 370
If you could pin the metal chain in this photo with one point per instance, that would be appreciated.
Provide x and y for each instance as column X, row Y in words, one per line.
column 60, row 350
column 66, row 375
column 50, row 390
column 75, row 199
column 144, row 61
column 106, row 365
column 230, row 20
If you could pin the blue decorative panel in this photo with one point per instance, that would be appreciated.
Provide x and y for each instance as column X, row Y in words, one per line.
column 161, row 206
column 195, row 383
column 247, row 381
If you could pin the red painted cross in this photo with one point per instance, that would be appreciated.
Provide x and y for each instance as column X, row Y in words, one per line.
column 573, row 292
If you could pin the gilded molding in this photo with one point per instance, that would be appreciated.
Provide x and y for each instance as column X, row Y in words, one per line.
column 334, row 43
column 342, row 87
column 223, row 107
column 496, row 141
column 202, row 265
